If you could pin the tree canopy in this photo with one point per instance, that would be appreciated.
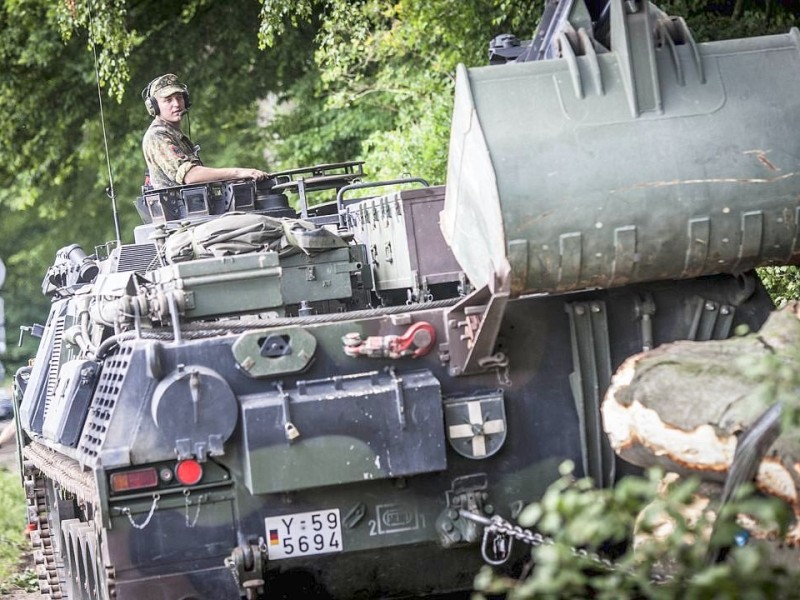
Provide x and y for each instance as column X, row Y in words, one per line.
column 275, row 84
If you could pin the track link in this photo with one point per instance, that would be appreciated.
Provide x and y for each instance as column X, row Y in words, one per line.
column 64, row 536
column 50, row 584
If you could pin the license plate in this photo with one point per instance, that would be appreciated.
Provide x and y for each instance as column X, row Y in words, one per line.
column 303, row 534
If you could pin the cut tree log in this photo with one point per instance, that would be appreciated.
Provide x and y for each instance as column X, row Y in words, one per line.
column 682, row 405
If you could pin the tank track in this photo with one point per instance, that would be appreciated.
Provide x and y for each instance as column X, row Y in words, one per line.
column 59, row 468
column 66, row 547
column 41, row 540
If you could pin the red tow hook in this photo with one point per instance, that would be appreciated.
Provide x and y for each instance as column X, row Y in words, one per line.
column 421, row 335
column 416, row 341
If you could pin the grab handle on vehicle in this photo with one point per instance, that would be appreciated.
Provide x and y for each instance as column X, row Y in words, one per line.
column 370, row 184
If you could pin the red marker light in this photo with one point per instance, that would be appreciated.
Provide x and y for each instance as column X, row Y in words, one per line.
column 134, row 480
column 189, row 472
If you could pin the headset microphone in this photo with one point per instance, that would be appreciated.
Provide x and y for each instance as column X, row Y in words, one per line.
column 151, row 102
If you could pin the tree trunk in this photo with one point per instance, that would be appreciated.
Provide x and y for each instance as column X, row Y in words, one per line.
column 682, row 405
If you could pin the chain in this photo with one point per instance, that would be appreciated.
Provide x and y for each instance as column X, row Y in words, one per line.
column 190, row 523
column 231, row 564
column 497, row 529
column 127, row 512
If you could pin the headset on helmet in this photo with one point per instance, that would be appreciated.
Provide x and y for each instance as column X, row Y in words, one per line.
column 160, row 82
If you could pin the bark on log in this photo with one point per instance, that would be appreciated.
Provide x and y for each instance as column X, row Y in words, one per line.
column 681, row 406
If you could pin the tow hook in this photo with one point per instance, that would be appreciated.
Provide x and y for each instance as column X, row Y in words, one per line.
column 247, row 564
column 416, row 341
column 454, row 530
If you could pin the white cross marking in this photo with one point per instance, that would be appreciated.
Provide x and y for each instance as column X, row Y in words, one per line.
column 476, row 418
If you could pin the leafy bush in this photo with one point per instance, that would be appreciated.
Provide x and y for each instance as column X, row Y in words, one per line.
column 12, row 525
column 26, row 580
column 782, row 283
column 670, row 558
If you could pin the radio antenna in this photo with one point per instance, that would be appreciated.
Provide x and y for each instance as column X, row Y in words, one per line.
column 110, row 190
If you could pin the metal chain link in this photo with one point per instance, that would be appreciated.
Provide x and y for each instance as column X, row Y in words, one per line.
column 231, row 564
column 127, row 512
column 190, row 523
column 499, row 526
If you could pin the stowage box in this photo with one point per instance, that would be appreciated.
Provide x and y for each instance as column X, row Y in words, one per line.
column 401, row 233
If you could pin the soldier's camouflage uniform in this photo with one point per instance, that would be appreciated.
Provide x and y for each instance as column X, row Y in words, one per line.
column 169, row 154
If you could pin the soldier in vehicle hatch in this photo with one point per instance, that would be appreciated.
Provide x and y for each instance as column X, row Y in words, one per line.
column 170, row 155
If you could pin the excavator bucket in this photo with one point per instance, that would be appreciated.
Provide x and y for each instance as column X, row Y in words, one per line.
column 635, row 155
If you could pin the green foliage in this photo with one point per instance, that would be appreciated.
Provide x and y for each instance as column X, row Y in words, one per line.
column 386, row 74
column 308, row 133
column 778, row 377
column 105, row 23
column 25, row 580
column 53, row 160
column 722, row 21
column 672, row 541
column 275, row 15
column 12, row 524
column 782, row 283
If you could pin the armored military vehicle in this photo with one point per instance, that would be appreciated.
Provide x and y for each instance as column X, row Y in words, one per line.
column 258, row 400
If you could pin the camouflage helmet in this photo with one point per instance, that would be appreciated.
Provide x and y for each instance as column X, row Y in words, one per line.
column 161, row 87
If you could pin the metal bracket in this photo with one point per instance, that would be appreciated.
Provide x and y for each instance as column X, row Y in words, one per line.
column 247, row 564
column 472, row 328
column 468, row 493
column 591, row 358
column 399, row 397
column 711, row 320
column 645, row 309
column 291, row 432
